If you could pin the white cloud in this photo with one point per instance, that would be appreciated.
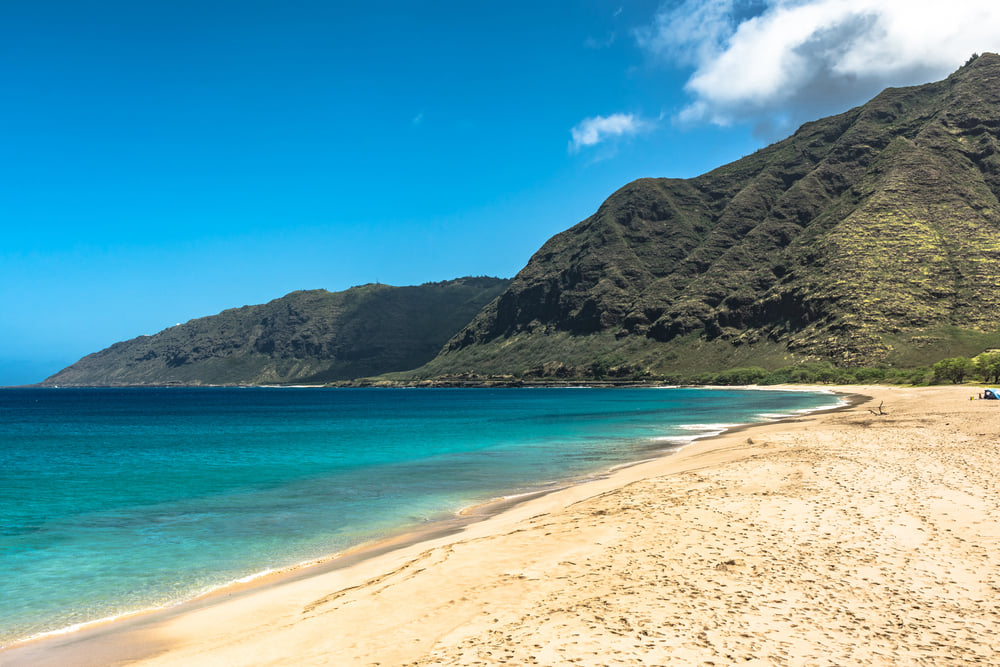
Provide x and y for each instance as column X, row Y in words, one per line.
column 777, row 62
column 592, row 131
column 691, row 32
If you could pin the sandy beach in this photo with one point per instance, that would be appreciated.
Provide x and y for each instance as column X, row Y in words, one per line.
column 841, row 538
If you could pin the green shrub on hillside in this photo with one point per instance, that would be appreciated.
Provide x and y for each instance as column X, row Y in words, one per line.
column 953, row 369
column 987, row 365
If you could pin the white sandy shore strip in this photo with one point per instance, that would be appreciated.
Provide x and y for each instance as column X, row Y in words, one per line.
column 836, row 539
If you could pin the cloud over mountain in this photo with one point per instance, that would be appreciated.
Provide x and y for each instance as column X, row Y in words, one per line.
column 777, row 63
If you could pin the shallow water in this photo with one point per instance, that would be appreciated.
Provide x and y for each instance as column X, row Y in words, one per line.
column 117, row 500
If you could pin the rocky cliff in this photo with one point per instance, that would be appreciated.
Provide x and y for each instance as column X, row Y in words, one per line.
column 303, row 337
column 871, row 237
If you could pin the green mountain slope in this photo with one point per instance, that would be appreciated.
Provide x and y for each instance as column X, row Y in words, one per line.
column 307, row 336
column 868, row 237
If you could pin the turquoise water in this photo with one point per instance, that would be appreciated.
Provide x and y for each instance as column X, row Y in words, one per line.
column 117, row 500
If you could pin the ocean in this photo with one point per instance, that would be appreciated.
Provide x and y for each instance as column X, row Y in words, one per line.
column 121, row 500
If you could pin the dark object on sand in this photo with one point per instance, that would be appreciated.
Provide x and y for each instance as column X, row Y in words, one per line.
column 880, row 411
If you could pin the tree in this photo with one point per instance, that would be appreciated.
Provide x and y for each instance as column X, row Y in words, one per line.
column 738, row 376
column 987, row 364
column 954, row 369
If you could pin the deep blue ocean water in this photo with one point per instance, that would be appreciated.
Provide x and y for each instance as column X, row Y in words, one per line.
column 118, row 500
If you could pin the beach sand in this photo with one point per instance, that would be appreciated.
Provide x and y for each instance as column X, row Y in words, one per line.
column 840, row 538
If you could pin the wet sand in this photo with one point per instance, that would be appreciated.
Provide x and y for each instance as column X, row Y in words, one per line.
column 838, row 538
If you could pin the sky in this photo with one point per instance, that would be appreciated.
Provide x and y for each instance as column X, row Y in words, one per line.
column 162, row 161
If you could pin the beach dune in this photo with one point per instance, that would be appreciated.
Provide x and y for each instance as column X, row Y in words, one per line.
column 838, row 538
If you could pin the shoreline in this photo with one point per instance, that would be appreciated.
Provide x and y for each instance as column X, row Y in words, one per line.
column 180, row 637
column 440, row 526
column 102, row 630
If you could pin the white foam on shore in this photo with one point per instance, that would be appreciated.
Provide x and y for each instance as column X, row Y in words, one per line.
column 778, row 416
column 707, row 427
column 839, row 404
column 76, row 627
column 208, row 590
column 702, row 431
column 712, row 430
column 246, row 580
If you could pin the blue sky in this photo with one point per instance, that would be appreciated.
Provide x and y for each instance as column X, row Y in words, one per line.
column 163, row 161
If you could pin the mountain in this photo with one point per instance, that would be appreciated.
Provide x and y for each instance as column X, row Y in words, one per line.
column 870, row 237
column 867, row 238
column 303, row 337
